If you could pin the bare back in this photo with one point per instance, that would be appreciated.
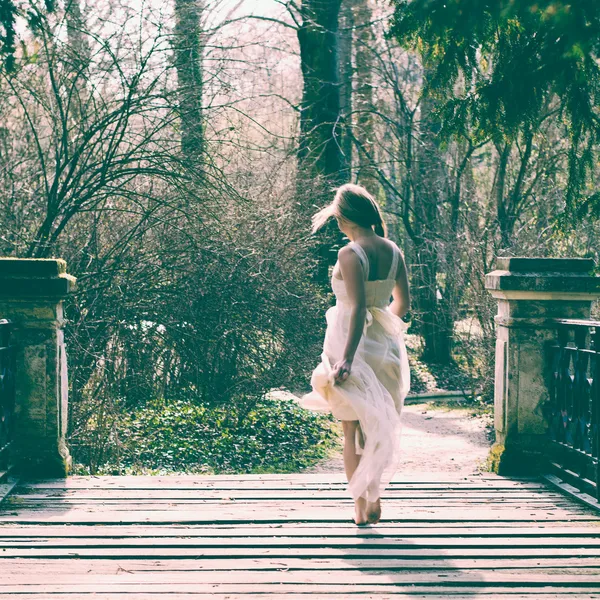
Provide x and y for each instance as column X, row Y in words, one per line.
column 380, row 255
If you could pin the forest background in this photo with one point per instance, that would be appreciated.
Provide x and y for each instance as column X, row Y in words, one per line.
column 174, row 152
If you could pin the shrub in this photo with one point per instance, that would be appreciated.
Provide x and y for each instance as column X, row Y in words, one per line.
column 181, row 436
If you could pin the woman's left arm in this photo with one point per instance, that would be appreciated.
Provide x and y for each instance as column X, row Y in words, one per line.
column 353, row 276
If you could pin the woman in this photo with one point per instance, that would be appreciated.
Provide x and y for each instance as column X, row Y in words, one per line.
column 363, row 376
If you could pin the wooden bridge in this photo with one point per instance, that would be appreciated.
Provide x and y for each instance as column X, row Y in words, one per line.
column 291, row 537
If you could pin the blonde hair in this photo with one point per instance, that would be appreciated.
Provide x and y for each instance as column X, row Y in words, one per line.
column 353, row 203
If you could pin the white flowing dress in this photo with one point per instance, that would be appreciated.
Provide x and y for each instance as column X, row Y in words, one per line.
column 379, row 379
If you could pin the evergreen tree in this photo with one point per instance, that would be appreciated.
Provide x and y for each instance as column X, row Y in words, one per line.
column 499, row 66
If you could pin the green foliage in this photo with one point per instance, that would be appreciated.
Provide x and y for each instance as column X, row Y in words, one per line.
column 9, row 11
column 465, row 373
column 500, row 67
column 183, row 436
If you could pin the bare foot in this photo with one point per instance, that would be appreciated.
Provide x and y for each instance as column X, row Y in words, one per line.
column 360, row 517
column 374, row 511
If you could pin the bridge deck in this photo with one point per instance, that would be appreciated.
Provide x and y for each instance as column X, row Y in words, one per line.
column 291, row 537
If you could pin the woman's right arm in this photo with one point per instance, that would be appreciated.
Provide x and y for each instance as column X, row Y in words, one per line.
column 401, row 294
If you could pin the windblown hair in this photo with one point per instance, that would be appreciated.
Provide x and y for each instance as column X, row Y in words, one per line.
column 353, row 203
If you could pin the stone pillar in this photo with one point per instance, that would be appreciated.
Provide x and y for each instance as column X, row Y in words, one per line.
column 31, row 294
column 531, row 292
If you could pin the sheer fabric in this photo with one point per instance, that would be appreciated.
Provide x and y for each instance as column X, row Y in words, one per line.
column 374, row 392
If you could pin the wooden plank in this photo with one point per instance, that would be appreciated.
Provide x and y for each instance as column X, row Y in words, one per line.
column 340, row 492
column 290, row 497
column 193, row 595
column 298, row 530
column 320, row 525
column 390, row 594
column 324, row 591
column 431, row 476
column 235, row 558
column 311, row 543
column 213, row 493
column 107, row 584
column 195, row 518
column 179, row 570
column 573, row 492
column 206, row 493
column 507, row 486
column 271, row 516
column 332, row 481
column 289, row 504
column 286, row 504
column 299, row 478
column 325, row 500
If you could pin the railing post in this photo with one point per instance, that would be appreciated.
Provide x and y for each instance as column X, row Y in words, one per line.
column 7, row 396
column 31, row 294
column 595, row 391
column 531, row 293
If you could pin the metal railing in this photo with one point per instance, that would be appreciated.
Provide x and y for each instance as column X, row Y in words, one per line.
column 7, row 394
column 575, row 404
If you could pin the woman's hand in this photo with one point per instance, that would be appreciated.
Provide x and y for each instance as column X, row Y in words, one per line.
column 341, row 370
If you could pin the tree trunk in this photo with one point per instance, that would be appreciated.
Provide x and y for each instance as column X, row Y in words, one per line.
column 321, row 164
column 429, row 193
column 79, row 48
column 504, row 218
column 346, row 50
column 364, row 132
column 188, row 63
column 319, row 148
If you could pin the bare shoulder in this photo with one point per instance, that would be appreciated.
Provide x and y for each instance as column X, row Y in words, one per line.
column 382, row 246
column 396, row 247
column 392, row 243
column 348, row 258
column 347, row 255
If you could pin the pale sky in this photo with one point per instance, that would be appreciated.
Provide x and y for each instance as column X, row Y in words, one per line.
column 223, row 9
column 255, row 7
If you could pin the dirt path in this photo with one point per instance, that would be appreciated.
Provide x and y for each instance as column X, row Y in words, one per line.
column 443, row 439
